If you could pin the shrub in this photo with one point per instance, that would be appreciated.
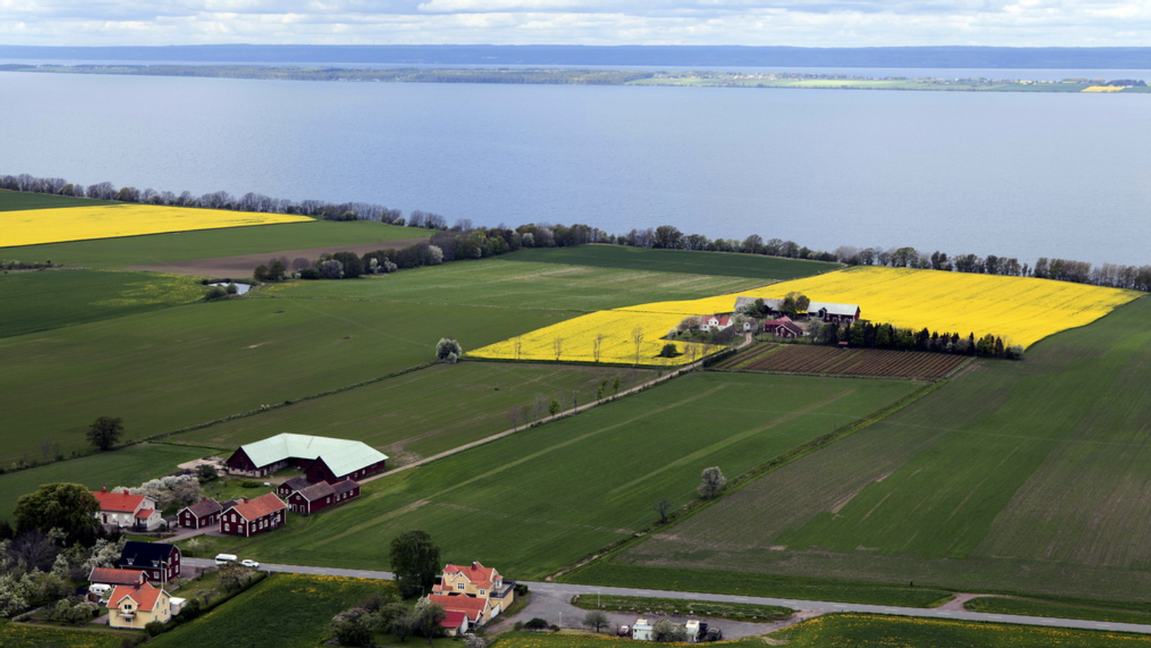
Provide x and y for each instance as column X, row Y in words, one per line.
column 536, row 624
column 214, row 293
column 154, row 628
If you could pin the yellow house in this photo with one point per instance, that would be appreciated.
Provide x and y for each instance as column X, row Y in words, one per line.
column 135, row 606
column 477, row 581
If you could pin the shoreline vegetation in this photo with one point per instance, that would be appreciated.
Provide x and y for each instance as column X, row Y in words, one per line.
column 568, row 76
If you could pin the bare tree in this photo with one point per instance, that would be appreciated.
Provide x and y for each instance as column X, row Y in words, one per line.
column 514, row 417
column 558, row 347
column 518, row 345
column 637, row 339
column 597, row 346
column 662, row 507
column 596, row 620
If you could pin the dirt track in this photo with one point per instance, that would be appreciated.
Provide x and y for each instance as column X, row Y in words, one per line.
column 236, row 267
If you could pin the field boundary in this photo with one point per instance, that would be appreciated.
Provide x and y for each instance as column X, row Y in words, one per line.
column 743, row 480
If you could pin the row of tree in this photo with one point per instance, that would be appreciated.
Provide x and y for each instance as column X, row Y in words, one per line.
column 462, row 240
column 866, row 335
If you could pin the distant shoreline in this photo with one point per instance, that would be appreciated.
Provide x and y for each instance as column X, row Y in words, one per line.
column 564, row 76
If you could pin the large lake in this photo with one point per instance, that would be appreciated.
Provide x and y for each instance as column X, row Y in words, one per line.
column 1025, row 175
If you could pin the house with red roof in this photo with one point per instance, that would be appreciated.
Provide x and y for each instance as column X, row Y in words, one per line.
column 112, row 577
column 201, row 515
column 135, row 606
column 783, row 327
column 480, row 592
column 124, row 510
column 249, row 517
column 476, row 611
column 709, row 323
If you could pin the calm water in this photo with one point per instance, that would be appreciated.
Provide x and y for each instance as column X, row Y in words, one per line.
column 1022, row 175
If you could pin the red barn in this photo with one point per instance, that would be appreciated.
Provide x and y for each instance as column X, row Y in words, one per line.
column 783, row 328
column 202, row 514
column 321, row 458
column 321, row 495
column 294, row 484
column 247, row 518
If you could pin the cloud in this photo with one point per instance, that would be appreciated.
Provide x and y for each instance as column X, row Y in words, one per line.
column 813, row 23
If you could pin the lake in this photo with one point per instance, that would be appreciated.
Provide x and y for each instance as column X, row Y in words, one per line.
column 1013, row 174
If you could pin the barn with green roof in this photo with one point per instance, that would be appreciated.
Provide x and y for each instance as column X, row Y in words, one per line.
column 321, row 458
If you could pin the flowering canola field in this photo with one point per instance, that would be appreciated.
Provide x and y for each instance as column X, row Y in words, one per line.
column 1021, row 310
column 35, row 226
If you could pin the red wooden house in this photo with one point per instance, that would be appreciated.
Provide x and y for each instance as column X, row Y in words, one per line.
column 783, row 328
column 294, row 484
column 202, row 514
column 321, row 495
column 249, row 517
column 160, row 561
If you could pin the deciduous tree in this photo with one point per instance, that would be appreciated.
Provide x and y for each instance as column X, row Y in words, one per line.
column 69, row 507
column 415, row 560
column 711, row 483
column 105, row 432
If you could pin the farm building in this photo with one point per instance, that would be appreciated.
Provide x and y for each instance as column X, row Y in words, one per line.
column 124, row 510
column 321, row 458
column 294, row 484
column 782, row 327
column 834, row 312
column 113, row 577
column 714, row 322
column 247, row 518
column 321, row 495
column 160, row 561
column 135, row 606
column 202, row 514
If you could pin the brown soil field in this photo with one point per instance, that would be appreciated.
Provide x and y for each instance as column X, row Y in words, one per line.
column 850, row 362
column 237, row 267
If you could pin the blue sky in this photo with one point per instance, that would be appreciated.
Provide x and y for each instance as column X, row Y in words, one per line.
column 803, row 23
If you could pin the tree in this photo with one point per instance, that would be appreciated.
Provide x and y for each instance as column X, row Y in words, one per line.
column 668, row 631
column 637, row 340
column 712, row 482
column 429, row 621
column 597, row 345
column 69, row 507
column 669, row 350
column 554, row 407
column 105, row 432
column 448, row 350
column 662, row 507
column 596, row 620
column 558, row 347
column 415, row 560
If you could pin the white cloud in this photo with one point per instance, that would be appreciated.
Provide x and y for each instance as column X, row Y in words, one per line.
column 814, row 23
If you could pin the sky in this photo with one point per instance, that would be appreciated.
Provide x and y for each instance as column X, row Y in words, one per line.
column 799, row 23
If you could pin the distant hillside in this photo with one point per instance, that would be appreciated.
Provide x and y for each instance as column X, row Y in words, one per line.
column 536, row 55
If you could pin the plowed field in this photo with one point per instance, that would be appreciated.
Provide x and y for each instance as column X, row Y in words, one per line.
column 846, row 362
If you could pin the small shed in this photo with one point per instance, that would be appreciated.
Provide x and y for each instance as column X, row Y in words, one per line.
column 641, row 630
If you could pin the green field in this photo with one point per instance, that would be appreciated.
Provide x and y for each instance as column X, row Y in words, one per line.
column 703, row 263
column 281, row 611
column 536, row 501
column 873, row 631
column 1066, row 608
column 1027, row 476
column 209, row 244
column 664, row 606
column 406, row 416
column 21, row 200
column 20, row 635
column 125, row 467
column 53, row 298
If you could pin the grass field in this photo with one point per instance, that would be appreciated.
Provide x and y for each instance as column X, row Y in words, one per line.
column 405, row 417
column 19, row 635
column 539, row 500
column 1066, row 609
column 700, row 263
column 167, row 370
column 36, row 226
column 872, row 631
column 1026, row 476
column 184, row 246
column 282, row 611
column 49, row 299
column 21, row 200
column 664, row 606
column 125, row 467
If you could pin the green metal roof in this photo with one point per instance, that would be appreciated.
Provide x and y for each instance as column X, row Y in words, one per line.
column 341, row 455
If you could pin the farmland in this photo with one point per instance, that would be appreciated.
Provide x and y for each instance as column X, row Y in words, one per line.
column 1014, row 476
column 35, row 226
column 750, row 266
column 312, row 601
column 115, row 253
column 14, row 635
column 790, row 358
column 568, row 488
column 404, row 416
column 872, row 631
column 22, row 200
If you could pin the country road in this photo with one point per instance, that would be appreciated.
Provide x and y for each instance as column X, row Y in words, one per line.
column 567, row 590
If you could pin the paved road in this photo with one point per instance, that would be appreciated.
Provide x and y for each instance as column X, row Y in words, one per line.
column 568, row 590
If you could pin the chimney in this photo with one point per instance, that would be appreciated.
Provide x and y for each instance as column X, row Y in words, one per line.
column 104, row 489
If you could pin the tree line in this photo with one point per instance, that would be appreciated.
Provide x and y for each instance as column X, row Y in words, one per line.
column 462, row 240
column 868, row 335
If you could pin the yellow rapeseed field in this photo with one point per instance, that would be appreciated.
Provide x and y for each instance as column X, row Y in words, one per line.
column 1020, row 310
column 35, row 226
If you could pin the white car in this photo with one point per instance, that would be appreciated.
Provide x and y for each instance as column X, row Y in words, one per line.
column 250, row 563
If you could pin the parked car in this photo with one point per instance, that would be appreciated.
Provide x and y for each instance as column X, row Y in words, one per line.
column 250, row 563
column 623, row 631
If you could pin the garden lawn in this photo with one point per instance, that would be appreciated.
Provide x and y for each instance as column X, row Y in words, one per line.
column 869, row 631
column 281, row 611
column 1014, row 477
column 43, row 300
column 129, row 466
column 536, row 501
column 728, row 264
column 206, row 244
column 425, row 412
